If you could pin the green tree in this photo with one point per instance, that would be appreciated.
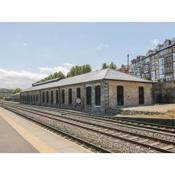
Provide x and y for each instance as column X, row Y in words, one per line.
column 17, row 90
column 58, row 75
column 88, row 68
column 78, row 70
column 111, row 66
column 104, row 66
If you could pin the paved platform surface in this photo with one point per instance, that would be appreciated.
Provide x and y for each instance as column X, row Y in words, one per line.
column 19, row 135
column 11, row 141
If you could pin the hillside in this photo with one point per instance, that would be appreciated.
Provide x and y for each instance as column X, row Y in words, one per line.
column 5, row 92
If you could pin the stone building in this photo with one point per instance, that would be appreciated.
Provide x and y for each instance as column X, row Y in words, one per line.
column 100, row 91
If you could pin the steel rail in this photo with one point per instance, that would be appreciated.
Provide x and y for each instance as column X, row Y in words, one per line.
column 140, row 124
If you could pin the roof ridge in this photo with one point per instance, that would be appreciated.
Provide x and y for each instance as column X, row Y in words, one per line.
column 107, row 71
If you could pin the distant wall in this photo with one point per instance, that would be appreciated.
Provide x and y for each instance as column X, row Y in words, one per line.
column 164, row 92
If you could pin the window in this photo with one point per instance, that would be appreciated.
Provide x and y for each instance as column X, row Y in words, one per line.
column 36, row 98
column 120, row 95
column 174, row 57
column 51, row 97
column 161, row 70
column 88, row 95
column 70, row 96
column 43, row 97
column 56, row 96
column 97, row 95
column 78, row 93
column 63, row 96
column 47, row 97
column 161, row 61
column 141, row 95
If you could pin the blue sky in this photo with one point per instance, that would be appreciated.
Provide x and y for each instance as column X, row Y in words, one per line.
column 37, row 49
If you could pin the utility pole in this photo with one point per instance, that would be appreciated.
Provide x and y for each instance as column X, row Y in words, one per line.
column 128, row 60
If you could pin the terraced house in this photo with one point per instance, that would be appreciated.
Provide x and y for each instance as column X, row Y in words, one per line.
column 100, row 91
column 156, row 65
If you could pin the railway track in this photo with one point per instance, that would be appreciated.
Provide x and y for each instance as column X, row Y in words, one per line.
column 123, row 122
column 104, row 129
column 108, row 118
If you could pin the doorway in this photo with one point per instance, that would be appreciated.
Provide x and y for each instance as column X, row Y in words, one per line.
column 141, row 95
column 120, row 95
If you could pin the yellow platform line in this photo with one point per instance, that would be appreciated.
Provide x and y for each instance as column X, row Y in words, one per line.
column 38, row 144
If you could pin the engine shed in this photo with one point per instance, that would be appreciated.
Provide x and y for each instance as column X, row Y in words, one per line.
column 102, row 91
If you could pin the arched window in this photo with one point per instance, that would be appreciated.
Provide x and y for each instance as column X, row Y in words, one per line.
column 51, row 97
column 78, row 93
column 97, row 95
column 43, row 97
column 70, row 96
column 47, row 97
column 88, row 95
column 56, row 96
column 36, row 98
column 63, row 96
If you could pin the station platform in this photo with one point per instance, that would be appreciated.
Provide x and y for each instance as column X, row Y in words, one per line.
column 19, row 135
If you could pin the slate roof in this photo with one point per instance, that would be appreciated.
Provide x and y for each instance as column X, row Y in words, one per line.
column 105, row 74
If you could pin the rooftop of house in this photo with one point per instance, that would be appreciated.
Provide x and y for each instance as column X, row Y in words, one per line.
column 105, row 74
column 167, row 44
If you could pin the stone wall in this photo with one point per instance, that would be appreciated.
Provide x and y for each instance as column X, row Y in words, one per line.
column 49, row 102
column 108, row 96
column 131, row 94
column 84, row 107
column 164, row 92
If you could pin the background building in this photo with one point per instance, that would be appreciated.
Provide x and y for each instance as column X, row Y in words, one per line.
column 124, row 69
column 157, row 64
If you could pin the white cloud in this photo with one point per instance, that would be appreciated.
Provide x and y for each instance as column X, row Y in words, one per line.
column 102, row 46
column 69, row 65
column 24, row 79
column 21, row 78
column 25, row 44
column 49, row 70
column 155, row 42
